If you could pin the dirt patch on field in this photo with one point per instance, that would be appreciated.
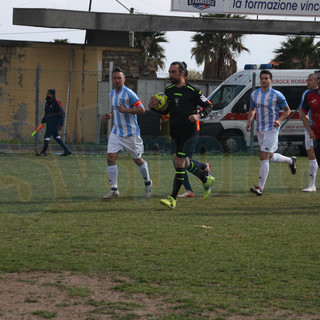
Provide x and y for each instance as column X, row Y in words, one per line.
column 70, row 296
column 44, row 295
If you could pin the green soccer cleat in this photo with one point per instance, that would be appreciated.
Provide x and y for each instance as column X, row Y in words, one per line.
column 207, row 187
column 169, row 202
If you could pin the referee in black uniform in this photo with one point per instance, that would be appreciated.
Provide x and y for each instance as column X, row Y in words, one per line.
column 183, row 100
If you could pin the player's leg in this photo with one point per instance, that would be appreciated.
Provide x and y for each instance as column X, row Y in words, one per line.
column 313, row 165
column 114, row 146
column 271, row 145
column 266, row 147
column 134, row 145
column 47, row 136
column 186, row 183
column 57, row 137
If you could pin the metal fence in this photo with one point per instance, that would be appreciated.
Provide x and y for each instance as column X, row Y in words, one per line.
column 85, row 100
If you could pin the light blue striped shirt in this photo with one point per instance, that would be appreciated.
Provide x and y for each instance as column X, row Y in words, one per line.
column 267, row 105
column 125, row 124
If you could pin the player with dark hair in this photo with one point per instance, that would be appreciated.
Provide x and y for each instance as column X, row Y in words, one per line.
column 312, row 84
column 266, row 103
column 125, row 133
column 54, row 119
column 312, row 102
column 183, row 101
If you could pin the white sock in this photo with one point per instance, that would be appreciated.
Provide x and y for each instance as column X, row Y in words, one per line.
column 113, row 176
column 263, row 174
column 277, row 157
column 313, row 168
column 144, row 172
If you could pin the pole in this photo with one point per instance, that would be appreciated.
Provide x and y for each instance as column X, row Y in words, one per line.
column 37, row 101
column 254, row 81
column 68, row 97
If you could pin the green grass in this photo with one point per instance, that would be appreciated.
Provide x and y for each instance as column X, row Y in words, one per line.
column 235, row 253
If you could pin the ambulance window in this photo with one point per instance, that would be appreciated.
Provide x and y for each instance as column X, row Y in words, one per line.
column 242, row 106
column 224, row 95
column 293, row 94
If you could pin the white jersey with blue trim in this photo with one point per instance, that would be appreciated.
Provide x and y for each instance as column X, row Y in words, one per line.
column 301, row 104
column 125, row 124
column 267, row 105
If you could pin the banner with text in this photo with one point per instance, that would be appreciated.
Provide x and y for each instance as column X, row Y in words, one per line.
column 255, row 7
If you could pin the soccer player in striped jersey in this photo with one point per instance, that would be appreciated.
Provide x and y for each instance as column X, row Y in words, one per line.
column 312, row 84
column 125, row 133
column 266, row 103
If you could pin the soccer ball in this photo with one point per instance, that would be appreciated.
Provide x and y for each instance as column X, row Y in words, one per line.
column 162, row 104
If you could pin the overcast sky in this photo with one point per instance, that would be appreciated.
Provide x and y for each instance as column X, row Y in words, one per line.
column 261, row 46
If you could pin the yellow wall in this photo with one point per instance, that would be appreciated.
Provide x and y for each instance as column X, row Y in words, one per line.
column 18, row 63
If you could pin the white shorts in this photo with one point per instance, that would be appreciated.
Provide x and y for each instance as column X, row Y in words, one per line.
column 268, row 140
column 133, row 145
column 308, row 142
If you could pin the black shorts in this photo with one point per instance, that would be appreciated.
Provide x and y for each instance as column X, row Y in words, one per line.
column 184, row 145
column 189, row 152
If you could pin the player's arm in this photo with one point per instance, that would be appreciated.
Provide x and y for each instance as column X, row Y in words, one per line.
column 206, row 106
column 251, row 115
column 306, row 122
column 138, row 108
column 284, row 115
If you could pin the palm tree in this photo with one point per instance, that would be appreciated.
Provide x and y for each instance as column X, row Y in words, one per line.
column 298, row 53
column 218, row 50
column 152, row 53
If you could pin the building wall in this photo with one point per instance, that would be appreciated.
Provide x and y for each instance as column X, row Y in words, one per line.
column 29, row 69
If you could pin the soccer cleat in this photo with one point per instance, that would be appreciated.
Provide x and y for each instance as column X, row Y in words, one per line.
column 207, row 187
column 256, row 190
column 187, row 194
column 66, row 153
column 293, row 166
column 148, row 190
column 310, row 189
column 112, row 194
column 169, row 202
column 41, row 154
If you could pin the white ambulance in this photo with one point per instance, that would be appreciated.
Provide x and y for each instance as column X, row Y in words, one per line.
column 231, row 102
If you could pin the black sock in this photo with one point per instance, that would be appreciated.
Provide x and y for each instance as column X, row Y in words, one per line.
column 195, row 170
column 178, row 181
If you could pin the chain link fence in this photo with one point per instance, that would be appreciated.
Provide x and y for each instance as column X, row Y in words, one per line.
column 85, row 100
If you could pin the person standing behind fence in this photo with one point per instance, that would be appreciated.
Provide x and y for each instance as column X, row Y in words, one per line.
column 125, row 133
column 312, row 102
column 183, row 100
column 266, row 103
column 53, row 119
column 312, row 84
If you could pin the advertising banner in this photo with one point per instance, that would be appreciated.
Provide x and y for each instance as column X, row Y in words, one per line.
column 255, row 7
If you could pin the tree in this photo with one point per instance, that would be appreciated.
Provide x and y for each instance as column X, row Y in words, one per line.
column 152, row 53
column 298, row 53
column 218, row 51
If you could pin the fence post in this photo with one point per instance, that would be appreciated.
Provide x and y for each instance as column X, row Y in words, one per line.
column 254, row 81
column 68, row 97
column 37, row 103
column 109, row 103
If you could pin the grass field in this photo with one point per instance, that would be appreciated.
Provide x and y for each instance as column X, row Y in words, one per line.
column 234, row 256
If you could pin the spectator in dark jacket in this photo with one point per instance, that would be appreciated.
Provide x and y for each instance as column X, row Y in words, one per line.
column 53, row 119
